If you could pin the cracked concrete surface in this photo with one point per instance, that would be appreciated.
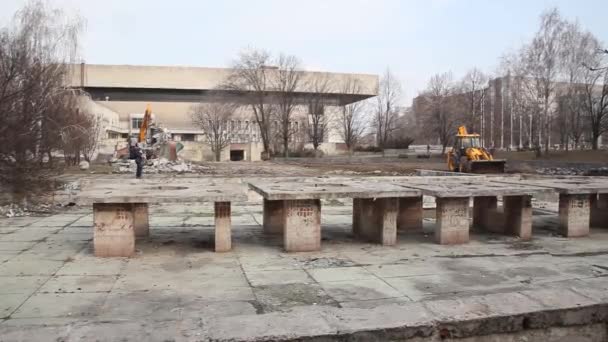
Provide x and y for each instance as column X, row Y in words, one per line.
column 49, row 277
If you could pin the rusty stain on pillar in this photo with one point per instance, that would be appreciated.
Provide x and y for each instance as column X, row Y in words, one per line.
column 223, row 234
column 574, row 215
column 114, row 235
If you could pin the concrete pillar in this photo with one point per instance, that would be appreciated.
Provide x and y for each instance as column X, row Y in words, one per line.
column 114, row 235
column 356, row 216
column 452, row 220
column 378, row 220
column 410, row 213
column 518, row 216
column 599, row 210
column 223, row 237
column 574, row 215
column 485, row 212
column 302, row 225
column 141, row 223
column 273, row 217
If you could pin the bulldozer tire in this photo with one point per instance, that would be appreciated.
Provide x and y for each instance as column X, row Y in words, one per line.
column 463, row 166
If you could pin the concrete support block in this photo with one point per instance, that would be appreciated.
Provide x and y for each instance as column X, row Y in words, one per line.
column 599, row 210
column 302, row 225
column 114, row 235
column 141, row 222
column 574, row 215
column 273, row 217
column 410, row 213
column 356, row 216
column 223, row 236
column 486, row 215
column 452, row 221
column 377, row 220
column 518, row 216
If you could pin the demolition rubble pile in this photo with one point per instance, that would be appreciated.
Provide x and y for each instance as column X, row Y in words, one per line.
column 160, row 165
column 573, row 171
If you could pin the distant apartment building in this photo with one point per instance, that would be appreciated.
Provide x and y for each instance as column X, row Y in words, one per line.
column 120, row 94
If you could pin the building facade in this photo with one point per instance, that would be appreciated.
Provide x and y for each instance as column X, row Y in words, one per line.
column 120, row 94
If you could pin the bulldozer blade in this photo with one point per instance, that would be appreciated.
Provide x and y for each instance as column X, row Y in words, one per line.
column 488, row 166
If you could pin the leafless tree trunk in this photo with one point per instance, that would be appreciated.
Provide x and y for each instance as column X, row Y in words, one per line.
column 472, row 84
column 443, row 114
column 35, row 52
column 285, row 83
column 388, row 99
column 252, row 74
column 596, row 98
column 213, row 119
column 318, row 122
column 351, row 122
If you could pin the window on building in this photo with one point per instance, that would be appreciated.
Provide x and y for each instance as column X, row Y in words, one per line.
column 136, row 123
column 247, row 126
column 238, row 125
column 187, row 137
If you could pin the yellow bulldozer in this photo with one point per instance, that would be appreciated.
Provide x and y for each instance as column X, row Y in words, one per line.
column 469, row 156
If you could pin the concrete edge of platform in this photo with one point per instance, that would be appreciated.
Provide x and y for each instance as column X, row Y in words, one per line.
column 492, row 314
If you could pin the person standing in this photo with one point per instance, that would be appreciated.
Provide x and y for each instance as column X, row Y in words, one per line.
column 140, row 159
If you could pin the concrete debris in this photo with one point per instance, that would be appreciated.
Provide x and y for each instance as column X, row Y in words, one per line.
column 161, row 165
column 573, row 171
column 84, row 165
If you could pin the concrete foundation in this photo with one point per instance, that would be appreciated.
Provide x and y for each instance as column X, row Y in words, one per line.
column 518, row 216
column 302, row 225
column 141, row 222
column 410, row 213
column 599, row 210
column 485, row 214
column 574, row 215
column 223, row 236
column 377, row 220
column 114, row 234
column 452, row 220
column 273, row 217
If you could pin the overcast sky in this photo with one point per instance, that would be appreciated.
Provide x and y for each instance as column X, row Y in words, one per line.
column 414, row 38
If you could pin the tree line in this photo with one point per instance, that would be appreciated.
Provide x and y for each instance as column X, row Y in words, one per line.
column 553, row 90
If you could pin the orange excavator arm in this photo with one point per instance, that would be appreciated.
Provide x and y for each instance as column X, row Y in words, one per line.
column 143, row 130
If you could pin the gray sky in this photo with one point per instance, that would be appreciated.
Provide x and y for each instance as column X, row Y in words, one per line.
column 414, row 38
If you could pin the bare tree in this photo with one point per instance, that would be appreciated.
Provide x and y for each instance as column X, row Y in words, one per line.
column 351, row 121
column 442, row 109
column 213, row 119
column 472, row 85
column 595, row 94
column 252, row 74
column 287, row 79
column 318, row 122
column 542, row 58
column 389, row 94
column 35, row 53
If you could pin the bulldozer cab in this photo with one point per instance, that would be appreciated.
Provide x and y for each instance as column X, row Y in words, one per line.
column 468, row 141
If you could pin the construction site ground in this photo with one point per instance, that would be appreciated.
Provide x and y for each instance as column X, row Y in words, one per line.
column 177, row 288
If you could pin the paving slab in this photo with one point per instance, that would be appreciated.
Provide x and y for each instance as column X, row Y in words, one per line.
column 20, row 266
column 278, row 277
column 21, row 285
column 78, row 284
column 284, row 297
column 340, row 274
column 363, row 289
column 10, row 302
column 61, row 305
column 475, row 188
